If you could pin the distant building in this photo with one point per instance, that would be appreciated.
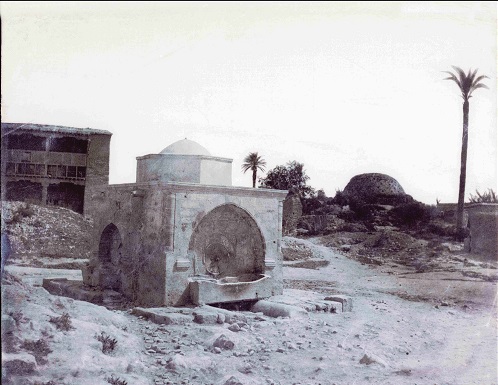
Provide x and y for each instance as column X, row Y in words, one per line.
column 54, row 165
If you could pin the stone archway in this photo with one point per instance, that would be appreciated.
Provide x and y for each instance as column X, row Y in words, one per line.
column 110, row 247
column 228, row 243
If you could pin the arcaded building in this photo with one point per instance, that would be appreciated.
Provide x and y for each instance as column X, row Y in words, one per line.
column 54, row 164
column 183, row 234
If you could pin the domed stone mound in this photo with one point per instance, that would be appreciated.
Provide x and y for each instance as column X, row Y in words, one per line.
column 375, row 188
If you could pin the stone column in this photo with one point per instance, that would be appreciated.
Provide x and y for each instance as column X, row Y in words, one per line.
column 44, row 184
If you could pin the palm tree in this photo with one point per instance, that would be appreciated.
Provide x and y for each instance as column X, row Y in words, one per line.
column 467, row 83
column 253, row 162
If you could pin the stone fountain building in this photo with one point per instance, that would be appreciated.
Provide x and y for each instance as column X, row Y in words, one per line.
column 183, row 234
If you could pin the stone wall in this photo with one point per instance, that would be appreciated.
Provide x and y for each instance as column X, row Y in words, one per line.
column 292, row 212
column 97, row 168
column 207, row 170
column 483, row 224
column 157, row 223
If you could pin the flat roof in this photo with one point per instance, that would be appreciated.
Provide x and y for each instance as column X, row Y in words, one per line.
column 8, row 128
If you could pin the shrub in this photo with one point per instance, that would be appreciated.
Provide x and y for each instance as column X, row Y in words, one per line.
column 310, row 205
column 442, row 229
column 108, row 343
column 115, row 381
column 411, row 213
column 63, row 322
column 25, row 210
column 486, row 197
column 39, row 348
column 339, row 199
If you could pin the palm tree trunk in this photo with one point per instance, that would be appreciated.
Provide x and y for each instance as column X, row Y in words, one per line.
column 463, row 172
column 254, row 178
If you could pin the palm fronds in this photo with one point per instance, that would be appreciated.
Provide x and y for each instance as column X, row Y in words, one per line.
column 467, row 83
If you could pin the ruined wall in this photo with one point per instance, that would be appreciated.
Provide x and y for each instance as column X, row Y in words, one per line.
column 97, row 171
column 483, row 224
column 292, row 212
column 144, row 220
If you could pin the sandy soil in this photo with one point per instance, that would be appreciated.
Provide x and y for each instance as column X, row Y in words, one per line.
column 433, row 327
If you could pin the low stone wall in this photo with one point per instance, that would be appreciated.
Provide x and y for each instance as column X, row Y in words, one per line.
column 483, row 223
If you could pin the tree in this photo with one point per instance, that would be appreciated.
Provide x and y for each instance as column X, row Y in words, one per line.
column 253, row 162
column 467, row 83
column 289, row 177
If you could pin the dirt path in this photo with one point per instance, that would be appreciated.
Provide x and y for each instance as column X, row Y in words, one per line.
column 386, row 339
column 449, row 338
column 426, row 341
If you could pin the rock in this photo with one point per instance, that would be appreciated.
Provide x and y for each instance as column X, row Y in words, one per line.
column 347, row 302
column 162, row 316
column 369, row 359
column 224, row 343
column 345, row 247
column 176, row 362
column 8, row 324
column 205, row 317
column 18, row 364
column 234, row 327
column 366, row 360
column 233, row 381
column 221, row 318
column 217, row 350
column 171, row 319
column 230, row 316
column 275, row 310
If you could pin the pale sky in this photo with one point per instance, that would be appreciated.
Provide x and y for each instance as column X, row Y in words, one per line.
column 345, row 88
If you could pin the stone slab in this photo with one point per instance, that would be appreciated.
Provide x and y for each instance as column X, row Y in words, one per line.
column 347, row 302
column 273, row 309
column 163, row 316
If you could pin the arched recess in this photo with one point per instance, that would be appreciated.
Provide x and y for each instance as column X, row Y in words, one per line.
column 227, row 242
column 110, row 247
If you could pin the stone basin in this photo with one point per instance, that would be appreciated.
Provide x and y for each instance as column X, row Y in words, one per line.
column 207, row 290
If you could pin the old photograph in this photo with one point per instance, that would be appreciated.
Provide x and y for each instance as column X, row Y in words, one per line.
column 249, row 193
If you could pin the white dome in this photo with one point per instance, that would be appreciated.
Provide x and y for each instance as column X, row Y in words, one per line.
column 185, row 147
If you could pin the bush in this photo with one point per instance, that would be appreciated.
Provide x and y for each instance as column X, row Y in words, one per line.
column 486, row 197
column 409, row 214
column 108, row 343
column 39, row 348
column 310, row 205
column 115, row 381
column 63, row 322
column 339, row 199
column 23, row 211
column 442, row 229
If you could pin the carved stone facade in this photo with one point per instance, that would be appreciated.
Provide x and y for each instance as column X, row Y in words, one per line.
column 166, row 242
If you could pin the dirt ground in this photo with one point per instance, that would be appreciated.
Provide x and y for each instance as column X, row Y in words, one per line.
column 409, row 325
